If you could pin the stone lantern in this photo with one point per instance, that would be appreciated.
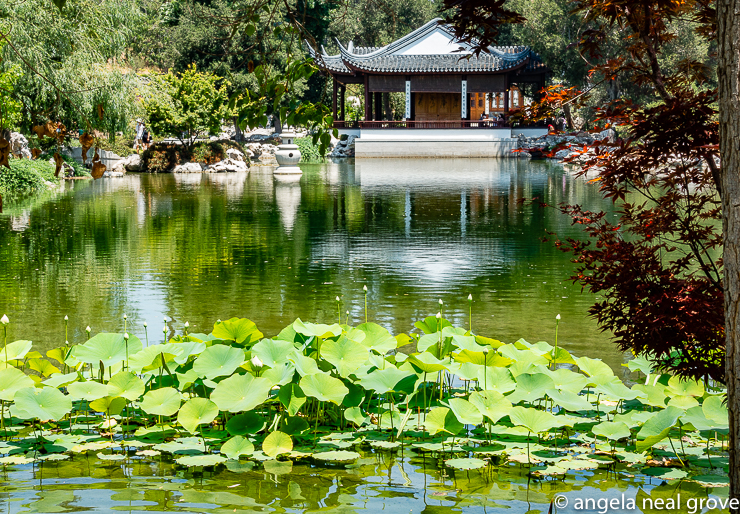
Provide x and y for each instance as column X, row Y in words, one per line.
column 288, row 155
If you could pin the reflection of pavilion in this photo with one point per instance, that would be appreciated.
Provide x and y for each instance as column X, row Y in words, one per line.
column 446, row 91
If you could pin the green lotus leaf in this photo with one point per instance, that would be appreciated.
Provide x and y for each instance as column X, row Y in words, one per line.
column 559, row 356
column 87, row 390
column 304, row 365
column 695, row 418
column 181, row 446
column 277, row 443
column 594, row 368
column 196, row 412
column 653, row 395
column 496, row 379
column 16, row 350
column 678, row 386
column 161, row 402
column 715, row 410
column 126, row 385
column 11, row 380
column 325, row 388
column 61, row 379
column 490, row 359
column 442, row 419
column 236, row 447
column 280, row 375
column 431, row 324
column 683, row 402
column 242, row 331
column 427, row 363
column 155, row 357
column 337, row 456
column 110, row 405
column 468, row 343
column 109, row 348
column 385, row 445
column 615, row 390
column 430, row 340
column 240, row 393
column 466, row 464
column 355, row 415
column 377, row 338
column 187, row 348
column 345, row 354
column 44, row 367
column 44, row 404
column 246, row 423
column 200, row 460
column 465, row 412
column 531, row 387
column 534, row 420
column 657, row 428
column 111, row 456
column 218, row 361
column 491, row 404
column 524, row 356
column 640, row 363
column 316, row 329
column 611, row 430
column 292, row 397
column 293, row 425
column 570, row 401
column 383, row 380
column 273, row 352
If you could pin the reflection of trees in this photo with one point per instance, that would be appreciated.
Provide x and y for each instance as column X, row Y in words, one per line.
column 205, row 247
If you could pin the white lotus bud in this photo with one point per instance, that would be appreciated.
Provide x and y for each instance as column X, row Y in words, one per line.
column 88, row 329
column 125, row 317
column 441, row 302
column 187, row 324
column 470, row 297
column 126, row 336
column 66, row 343
column 337, row 298
column 66, row 318
column 439, row 315
column 4, row 320
column 347, row 313
column 364, row 288
column 218, row 321
column 165, row 320
column 557, row 317
column 164, row 329
column 256, row 362
column 145, row 325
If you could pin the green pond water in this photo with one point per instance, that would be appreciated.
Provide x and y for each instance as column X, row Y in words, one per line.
column 197, row 248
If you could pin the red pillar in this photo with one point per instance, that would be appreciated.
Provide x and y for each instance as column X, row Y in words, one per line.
column 334, row 98
column 368, row 101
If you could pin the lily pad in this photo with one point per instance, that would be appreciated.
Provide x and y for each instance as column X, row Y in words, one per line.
column 196, row 412
column 240, row 393
column 242, row 331
column 325, row 388
column 44, row 404
column 237, row 446
column 466, row 464
column 200, row 460
column 337, row 456
column 11, row 380
column 277, row 443
column 161, row 402
column 218, row 361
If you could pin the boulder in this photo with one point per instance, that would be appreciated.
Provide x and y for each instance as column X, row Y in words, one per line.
column 113, row 174
column 19, row 143
column 235, row 155
column 227, row 165
column 562, row 154
column 132, row 162
column 609, row 136
column 189, row 167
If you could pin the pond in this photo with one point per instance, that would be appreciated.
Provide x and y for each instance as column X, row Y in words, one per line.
column 198, row 248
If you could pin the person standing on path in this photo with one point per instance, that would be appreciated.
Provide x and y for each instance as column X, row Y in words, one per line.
column 139, row 134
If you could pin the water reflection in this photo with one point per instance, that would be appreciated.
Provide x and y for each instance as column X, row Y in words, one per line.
column 199, row 247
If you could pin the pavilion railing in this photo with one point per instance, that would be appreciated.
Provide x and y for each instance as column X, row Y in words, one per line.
column 438, row 124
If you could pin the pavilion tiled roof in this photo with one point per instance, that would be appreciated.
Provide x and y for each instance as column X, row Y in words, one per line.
column 391, row 59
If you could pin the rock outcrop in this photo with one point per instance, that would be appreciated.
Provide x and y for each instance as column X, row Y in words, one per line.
column 227, row 165
column 188, row 167
column 344, row 148
column 19, row 145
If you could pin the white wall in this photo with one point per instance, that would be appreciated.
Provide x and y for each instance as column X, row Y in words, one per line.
column 446, row 135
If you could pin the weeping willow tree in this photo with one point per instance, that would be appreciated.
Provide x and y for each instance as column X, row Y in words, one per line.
column 72, row 61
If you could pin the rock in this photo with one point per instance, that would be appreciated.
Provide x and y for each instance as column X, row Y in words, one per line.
column 609, row 135
column 562, row 154
column 132, row 162
column 344, row 148
column 19, row 143
column 227, row 165
column 235, row 155
column 189, row 167
column 113, row 174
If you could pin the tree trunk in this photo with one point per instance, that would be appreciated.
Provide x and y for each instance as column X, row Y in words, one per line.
column 237, row 131
column 728, row 38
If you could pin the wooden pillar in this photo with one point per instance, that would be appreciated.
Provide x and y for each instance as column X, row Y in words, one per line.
column 378, row 101
column 506, row 97
column 334, row 98
column 368, row 101
column 413, row 106
column 342, row 91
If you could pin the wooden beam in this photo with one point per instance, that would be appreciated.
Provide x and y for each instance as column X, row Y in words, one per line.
column 368, row 101
column 335, row 87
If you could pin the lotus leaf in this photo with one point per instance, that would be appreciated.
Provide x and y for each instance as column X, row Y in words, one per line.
column 316, row 329
column 273, row 352
column 466, row 464
column 465, row 412
column 11, row 380
column 594, row 368
column 657, row 428
column 281, row 374
column 325, row 388
column 111, row 405
column 218, row 361
column 377, row 338
column 15, row 351
column 715, row 410
column 293, row 425
column 355, row 415
column 490, row 359
column 337, row 456
column 383, row 380
column 246, row 423
column 491, row 404
column 200, row 460
column 531, row 387
column 196, row 412
column 683, row 402
column 428, row 363
column 242, row 331
column 240, row 393
column 292, row 397
column 277, row 443
column 61, row 379
column 304, row 365
column 431, row 324
column 524, row 356
column 640, row 363
column 442, row 419
column 107, row 348
column 126, row 385
column 565, row 379
column 155, row 357
column 653, row 395
column 611, row 430
column 559, row 356
column 44, row 404
column 88, row 390
column 345, row 354
column 570, row 401
column 534, row 420
column 682, row 387
column 496, row 379
column 44, row 367
column 161, row 402
column 615, row 390
column 236, row 447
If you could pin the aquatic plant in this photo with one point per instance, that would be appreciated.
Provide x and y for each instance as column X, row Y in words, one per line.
column 325, row 392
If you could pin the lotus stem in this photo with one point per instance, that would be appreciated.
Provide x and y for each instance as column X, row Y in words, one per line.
column 339, row 311
column 365, row 289
column 470, row 313
column 425, row 396
column 5, row 343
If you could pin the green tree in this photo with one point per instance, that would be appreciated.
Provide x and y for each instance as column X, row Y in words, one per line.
column 10, row 108
column 186, row 105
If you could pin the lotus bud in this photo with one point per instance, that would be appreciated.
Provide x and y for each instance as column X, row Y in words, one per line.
column 337, row 298
column 66, row 318
column 165, row 320
column 88, row 329
column 557, row 317
column 218, row 321
column 164, row 329
column 439, row 315
column 126, row 336
column 145, row 325
column 256, row 362
column 470, row 297
column 187, row 324
column 347, row 313
column 66, row 343
column 125, row 317
column 4, row 320
column 364, row 288
column 441, row 302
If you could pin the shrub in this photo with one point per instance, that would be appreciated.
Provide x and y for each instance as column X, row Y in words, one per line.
column 309, row 151
column 25, row 176
column 162, row 157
